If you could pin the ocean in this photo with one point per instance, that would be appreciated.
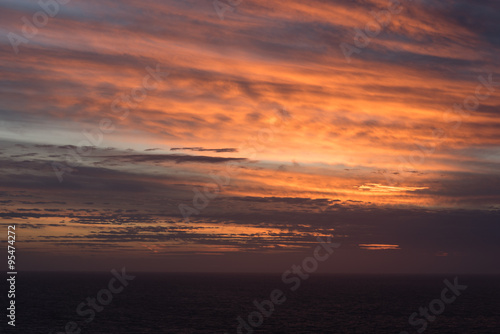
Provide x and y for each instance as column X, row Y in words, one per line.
column 212, row 303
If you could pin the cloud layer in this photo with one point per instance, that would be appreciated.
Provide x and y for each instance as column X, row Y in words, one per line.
column 115, row 115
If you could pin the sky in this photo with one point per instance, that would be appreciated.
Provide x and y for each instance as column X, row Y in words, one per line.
column 200, row 136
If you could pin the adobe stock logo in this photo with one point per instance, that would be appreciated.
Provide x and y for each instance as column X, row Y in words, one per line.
column 103, row 298
column 292, row 277
column 121, row 107
column 363, row 38
column 39, row 20
column 436, row 306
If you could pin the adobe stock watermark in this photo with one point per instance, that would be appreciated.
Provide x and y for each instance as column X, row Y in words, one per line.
column 29, row 30
column 120, row 106
column 103, row 298
column 453, row 118
column 222, row 7
column 293, row 278
column 250, row 148
column 362, row 38
column 436, row 306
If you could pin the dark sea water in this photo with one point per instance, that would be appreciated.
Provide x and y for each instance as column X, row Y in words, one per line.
column 211, row 303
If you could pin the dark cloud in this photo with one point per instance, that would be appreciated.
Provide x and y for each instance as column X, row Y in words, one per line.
column 201, row 149
column 177, row 158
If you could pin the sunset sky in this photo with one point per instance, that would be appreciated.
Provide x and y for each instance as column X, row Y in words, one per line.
column 164, row 136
